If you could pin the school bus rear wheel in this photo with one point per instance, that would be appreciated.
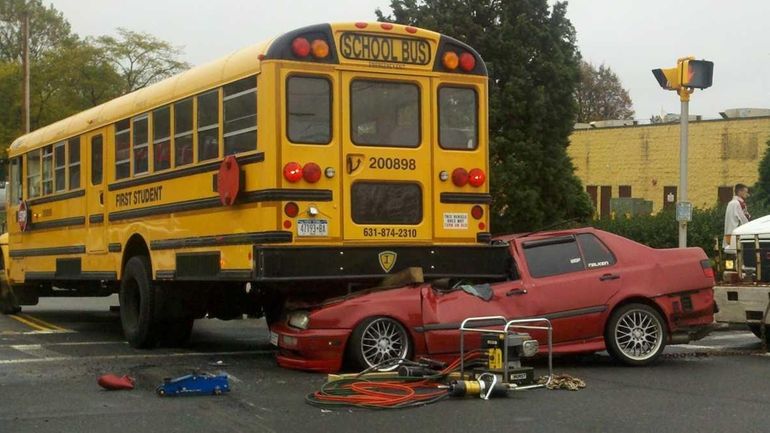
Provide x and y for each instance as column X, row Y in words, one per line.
column 137, row 304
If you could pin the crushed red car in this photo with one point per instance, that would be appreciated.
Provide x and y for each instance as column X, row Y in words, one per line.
column 600, row 291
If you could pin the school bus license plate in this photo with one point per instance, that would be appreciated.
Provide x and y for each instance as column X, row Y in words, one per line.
column 312, row 227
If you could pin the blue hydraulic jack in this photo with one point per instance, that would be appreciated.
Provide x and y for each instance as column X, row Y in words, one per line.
column 195, row 384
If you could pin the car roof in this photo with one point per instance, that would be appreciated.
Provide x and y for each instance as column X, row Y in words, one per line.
column 546, row 234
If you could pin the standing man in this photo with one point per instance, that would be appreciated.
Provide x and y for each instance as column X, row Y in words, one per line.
column 736, row 214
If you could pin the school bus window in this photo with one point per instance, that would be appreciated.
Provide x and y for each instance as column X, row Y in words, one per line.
column 60, row 167
column 140, row 144
column 122, row 149
column 161, row 141
column 458, row 114
column 97, row 163
column 240, row 116
column 183, row 133
column 309, row 110
column 73, row 147
column 33, row 174
column 208, row 125
column 15, row 177
column 385, row 113
column 47, row 170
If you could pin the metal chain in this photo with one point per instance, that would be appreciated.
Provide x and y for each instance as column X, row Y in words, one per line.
column 562, row 381
column 707, row 354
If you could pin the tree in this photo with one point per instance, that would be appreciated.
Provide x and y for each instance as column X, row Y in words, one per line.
column 140, row 58
column 48, row 29
column 533, row 65
column 600, row 96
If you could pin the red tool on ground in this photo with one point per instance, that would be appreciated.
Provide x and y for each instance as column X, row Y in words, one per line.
column 113, row 382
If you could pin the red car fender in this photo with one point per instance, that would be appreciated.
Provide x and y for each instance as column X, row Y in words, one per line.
column 402, row 304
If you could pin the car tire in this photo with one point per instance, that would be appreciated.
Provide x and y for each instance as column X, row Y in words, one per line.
column 636, row 334
column 137, row 304
column 757, row 330
column 377, row 340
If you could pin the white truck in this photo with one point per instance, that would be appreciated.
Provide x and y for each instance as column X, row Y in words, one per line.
column 743, row 295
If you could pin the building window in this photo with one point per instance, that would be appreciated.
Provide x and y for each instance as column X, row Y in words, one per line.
column 724, row 194
column 624, row 191
column 669, row 197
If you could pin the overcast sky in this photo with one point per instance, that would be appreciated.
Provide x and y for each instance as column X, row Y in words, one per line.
column 631, row 37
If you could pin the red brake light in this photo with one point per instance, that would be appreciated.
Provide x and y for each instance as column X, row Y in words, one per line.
column 467, row 62
column 311, row 172
column 291, row 209
column 292, row 171
column 459, row 176
column 300, row 47
column 477, row 212
column 476, row 177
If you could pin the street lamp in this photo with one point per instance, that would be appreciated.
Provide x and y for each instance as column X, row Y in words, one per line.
column 688, row 75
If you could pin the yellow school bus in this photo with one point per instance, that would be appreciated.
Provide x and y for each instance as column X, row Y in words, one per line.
column 330, row 156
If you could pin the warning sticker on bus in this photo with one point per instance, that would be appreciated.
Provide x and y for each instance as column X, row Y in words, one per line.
column 455, row 221
column 356, row 46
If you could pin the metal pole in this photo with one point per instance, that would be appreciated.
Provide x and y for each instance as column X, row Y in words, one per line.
column 25, row 65
column 684, row 119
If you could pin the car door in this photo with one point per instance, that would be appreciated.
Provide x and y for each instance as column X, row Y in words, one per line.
column 567, row 279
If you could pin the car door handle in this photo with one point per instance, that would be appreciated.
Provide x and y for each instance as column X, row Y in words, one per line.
column 606, row 277
column 516, row 292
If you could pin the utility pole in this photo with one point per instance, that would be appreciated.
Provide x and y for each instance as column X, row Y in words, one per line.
column 689, row 74
column 25, row 66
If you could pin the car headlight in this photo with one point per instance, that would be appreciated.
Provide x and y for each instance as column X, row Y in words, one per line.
column 299, row 319
column 529, row 348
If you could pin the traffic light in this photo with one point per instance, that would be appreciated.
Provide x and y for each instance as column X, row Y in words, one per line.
column 697, row 74
column 668, row 78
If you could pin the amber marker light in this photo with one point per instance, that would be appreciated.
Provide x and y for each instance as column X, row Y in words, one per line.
column 450, row 60
column 319, row 48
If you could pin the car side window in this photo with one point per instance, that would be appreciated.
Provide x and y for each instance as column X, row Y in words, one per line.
column 596, row 254
column 553, row 256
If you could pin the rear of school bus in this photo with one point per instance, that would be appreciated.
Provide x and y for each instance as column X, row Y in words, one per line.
column 390, row 122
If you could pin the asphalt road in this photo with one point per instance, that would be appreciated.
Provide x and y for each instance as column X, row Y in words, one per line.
column 48, row 373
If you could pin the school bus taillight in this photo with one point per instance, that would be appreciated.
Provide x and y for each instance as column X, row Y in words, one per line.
column 319, row 48
column 292, row 172
column 300, row 47
column 467, row 62
column 450, row 60
column 291, row 209
column 477, row 177
column 311, row 172
column 477, row 212
column 459, row 176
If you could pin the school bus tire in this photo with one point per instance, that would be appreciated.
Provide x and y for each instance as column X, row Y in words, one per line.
column 137, row 304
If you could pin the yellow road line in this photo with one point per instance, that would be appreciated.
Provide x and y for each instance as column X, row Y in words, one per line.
column 37, row 324
column 43, row 323
column 27, row 322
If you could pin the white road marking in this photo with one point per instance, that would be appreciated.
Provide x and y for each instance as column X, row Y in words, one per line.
column 69, row 343
column 134, row 356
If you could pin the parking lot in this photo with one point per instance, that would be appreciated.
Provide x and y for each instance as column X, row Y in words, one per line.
column 52, row 354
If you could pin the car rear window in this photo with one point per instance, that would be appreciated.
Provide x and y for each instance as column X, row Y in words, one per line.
column 553, row 256
column 596, row 254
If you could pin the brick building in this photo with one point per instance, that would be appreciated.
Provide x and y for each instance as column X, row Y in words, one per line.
column 643, row 160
